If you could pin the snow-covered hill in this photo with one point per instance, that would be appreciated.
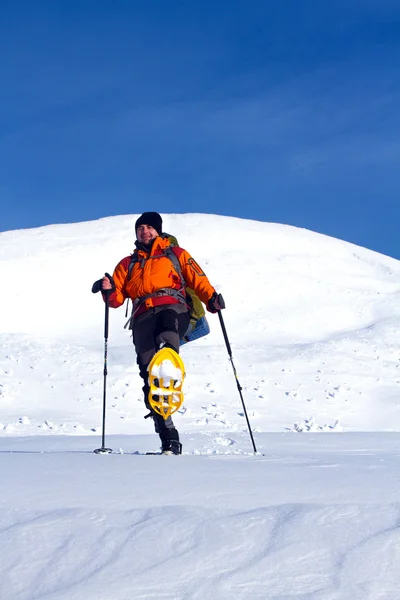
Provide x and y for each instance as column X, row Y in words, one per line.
column 313, row 322
column 314, row 328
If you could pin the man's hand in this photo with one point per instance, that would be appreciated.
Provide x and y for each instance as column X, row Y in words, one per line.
column 104, row 285
column 216, row 303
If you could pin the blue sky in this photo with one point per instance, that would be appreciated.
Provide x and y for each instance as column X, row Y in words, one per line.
column 282, row 111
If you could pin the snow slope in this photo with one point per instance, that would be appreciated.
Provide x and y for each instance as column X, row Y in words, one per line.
column 313, row 323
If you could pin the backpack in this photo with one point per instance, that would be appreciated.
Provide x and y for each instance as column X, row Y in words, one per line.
column 196, row 306
column 197, row 313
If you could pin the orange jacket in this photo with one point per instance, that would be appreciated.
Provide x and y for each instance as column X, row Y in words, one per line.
column 155, row 272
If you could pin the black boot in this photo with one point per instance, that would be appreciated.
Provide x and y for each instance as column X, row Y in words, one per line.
column 171, row 447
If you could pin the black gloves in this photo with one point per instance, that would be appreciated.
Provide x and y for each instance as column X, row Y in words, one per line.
column 216, row 303
column 98, row 285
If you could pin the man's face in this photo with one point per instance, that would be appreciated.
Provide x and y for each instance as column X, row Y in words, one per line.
column 145, row 234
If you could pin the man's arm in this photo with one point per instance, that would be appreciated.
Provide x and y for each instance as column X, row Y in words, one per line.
column 114, row 286
column 196, row 279
column 118, row 296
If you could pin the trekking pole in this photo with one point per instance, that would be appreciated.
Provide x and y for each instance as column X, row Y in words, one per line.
column 228, row 347
column 103, row 449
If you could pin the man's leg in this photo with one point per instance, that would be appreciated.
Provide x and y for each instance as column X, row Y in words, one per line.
column 151, row 330
column 171, row 326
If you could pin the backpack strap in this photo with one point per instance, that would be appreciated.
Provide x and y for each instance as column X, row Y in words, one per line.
column 137, row 303
column 134, row 260
column 169, row 252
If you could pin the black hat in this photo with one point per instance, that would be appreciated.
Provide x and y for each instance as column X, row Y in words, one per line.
column 150, row 218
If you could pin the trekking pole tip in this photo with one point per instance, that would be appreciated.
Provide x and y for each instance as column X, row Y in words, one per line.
column 103, row 450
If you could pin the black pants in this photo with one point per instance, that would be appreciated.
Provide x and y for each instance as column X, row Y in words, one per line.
column 163, row 324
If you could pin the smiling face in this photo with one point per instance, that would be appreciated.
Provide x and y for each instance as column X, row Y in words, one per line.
column 146, row 234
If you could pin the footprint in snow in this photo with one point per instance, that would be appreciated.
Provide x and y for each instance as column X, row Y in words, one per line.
column 230, row 426
column 218, row 415
column 210, row 408
column 9, row 428
column 48, row 425
column 224, row 441
column 6, row 371
column 252, row 413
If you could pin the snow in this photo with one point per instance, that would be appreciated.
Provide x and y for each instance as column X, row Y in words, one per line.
column 313, row 324
column 167, row 372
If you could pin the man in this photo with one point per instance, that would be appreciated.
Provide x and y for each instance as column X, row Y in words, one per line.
column 160, row 314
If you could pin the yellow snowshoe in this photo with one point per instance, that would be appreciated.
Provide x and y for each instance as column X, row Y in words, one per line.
column 166, row 376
